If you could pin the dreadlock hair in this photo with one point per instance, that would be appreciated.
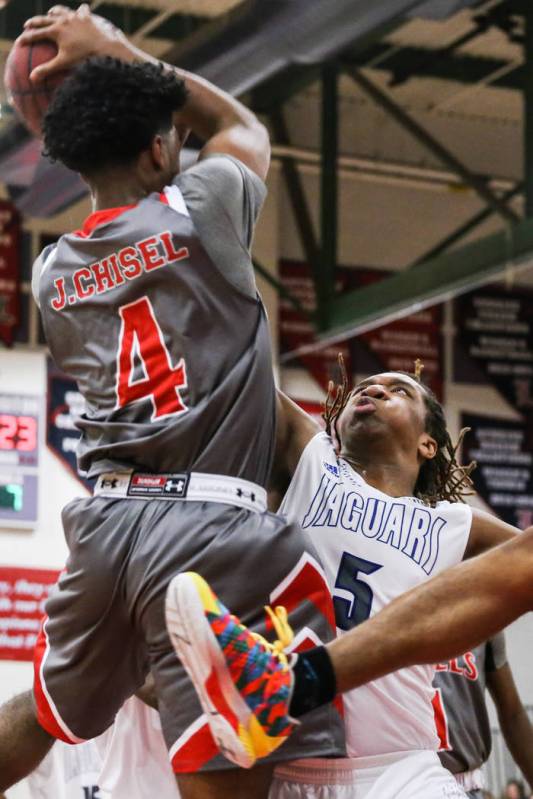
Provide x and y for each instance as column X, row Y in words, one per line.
column 439, row 478
column 106, row 112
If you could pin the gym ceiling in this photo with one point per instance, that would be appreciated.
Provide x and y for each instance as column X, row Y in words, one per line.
column 446, row 58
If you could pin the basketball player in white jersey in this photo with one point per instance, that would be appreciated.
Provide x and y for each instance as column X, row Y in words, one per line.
column 129, row 761
column 376, row 503
column 379, row 493
column 68, row 772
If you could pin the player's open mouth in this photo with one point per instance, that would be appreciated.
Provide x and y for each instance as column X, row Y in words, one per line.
column 365, row 405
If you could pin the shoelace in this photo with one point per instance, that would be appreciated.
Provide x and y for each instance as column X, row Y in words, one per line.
column 283, row 629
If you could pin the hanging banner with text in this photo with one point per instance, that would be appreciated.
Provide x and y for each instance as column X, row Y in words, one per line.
column 23, row 593
column 504, row 474
column 296, row 331
column 10, row 240
column 392, row 347
column 495, row 330
column 398, row 345
column 64, row 404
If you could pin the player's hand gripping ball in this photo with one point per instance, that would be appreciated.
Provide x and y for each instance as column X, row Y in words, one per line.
column 50, row 46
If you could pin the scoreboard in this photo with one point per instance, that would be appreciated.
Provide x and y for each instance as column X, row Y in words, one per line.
column 20, row 422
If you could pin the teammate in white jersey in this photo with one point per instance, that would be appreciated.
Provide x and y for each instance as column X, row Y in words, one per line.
column 376, row 504
column 134, row 758
column 69, row 772
column 129, row 761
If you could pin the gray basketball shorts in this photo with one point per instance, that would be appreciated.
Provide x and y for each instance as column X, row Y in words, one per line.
column 105, row 627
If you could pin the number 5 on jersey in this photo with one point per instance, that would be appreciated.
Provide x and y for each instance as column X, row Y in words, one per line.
column 141, row 335
column 349, row 613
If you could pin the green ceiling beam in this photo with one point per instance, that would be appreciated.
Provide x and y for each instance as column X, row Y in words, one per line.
column 466, row 228
column 130, row 18
column 427, row 140
column 325, row 280
column 411, row 62
column 297, row 196
column 438, row 279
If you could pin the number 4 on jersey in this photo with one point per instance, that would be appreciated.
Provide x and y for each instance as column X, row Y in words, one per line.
column 441, row 722
column 162, row 382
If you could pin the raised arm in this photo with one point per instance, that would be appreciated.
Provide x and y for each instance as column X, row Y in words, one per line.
column 222, row 122
column 487, row 531
column 295, row 429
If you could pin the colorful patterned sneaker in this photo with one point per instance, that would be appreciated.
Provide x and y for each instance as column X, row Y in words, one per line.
column 243, row 682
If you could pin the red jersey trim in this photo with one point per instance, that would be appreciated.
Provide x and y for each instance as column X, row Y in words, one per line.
column 107, row 215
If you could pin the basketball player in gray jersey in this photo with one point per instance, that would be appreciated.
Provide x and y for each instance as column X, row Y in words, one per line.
column 462, row 717
column 151, row 306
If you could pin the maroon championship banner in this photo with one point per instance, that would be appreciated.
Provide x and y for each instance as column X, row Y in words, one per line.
column 296, row 331
column 10, row 237
column 23, row 593
column 495, row 334
column 504, row 474
column 399, row 344
column 393, row 347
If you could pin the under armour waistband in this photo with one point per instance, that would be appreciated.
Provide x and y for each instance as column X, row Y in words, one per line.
column 339, row 770
column 184, row 487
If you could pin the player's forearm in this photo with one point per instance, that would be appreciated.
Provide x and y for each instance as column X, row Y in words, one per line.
column 209, row 110
column 518, row 734
column 442, row 618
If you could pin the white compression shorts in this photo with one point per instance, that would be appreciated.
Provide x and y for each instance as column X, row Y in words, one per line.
column 404, row 775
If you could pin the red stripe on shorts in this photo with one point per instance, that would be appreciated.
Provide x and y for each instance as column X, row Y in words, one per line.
column 45, row 714
column 195, row 751
column 306, row 583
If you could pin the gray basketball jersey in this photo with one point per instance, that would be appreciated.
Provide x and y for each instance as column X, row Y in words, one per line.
column 460, row 706
column 171, row 355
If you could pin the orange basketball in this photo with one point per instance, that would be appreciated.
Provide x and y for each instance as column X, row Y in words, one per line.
column 30, row 100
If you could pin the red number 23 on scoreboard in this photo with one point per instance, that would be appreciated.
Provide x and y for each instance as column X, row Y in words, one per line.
column 162, row 381
column 18, row 433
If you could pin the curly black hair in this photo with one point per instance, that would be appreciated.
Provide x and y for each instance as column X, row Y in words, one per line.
column 107, row 112
column 439, row 478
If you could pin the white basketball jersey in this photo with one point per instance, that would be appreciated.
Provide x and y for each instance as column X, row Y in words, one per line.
column 129, row 761
column 135, row 757
column 375, row 547
column 68, row 772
